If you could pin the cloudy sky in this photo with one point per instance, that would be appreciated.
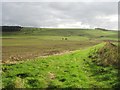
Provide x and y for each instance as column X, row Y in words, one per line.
column 61, row 14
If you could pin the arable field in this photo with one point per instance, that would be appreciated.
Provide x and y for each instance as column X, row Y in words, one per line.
column 60, row 58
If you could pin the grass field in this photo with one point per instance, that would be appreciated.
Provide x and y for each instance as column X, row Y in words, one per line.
column 91, row 64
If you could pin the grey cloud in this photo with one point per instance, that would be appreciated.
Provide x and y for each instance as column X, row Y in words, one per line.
column 0, row 13
column 51, row 14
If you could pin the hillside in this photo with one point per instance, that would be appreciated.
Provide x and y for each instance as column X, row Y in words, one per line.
column 73, row 70
column 88, row 33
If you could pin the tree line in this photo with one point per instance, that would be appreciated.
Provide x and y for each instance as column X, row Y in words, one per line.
column 11, row 28
column 101, row 29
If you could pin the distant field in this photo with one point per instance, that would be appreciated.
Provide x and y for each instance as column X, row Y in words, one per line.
column 33, row 42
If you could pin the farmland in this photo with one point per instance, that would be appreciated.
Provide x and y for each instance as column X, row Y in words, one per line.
column 60, row 58
column 33, row 42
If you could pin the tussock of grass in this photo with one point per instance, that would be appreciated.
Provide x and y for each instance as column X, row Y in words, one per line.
column 106, row 55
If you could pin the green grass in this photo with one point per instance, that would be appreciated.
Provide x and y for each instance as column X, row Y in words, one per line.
column 74, row 70
column 87, row 33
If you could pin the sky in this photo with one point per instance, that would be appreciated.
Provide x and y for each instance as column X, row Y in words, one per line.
column 61, row 14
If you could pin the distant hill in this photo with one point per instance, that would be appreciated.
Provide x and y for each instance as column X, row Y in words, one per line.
column 89, row 33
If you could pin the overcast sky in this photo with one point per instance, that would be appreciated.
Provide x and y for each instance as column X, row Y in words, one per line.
column 61, row 14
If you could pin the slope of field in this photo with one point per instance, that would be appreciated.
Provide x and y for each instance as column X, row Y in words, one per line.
column 74, row 70
column 30, row 43
column 89, row 33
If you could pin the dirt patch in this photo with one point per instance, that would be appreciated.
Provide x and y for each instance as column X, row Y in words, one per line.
column 28, row 56
column 51, row 75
